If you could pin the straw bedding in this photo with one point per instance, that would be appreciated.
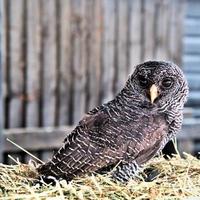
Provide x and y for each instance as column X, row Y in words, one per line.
column 177, row 178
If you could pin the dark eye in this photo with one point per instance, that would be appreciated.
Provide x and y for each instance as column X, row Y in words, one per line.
column 143, row 81
column 167, row 82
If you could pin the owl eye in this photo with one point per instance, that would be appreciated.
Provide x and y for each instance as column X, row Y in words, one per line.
column 143, row 81
column 167, row 82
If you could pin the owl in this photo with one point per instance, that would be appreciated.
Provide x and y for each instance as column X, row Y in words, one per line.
column 127, row 131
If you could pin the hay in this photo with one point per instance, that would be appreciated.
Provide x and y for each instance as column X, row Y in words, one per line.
column 178, row 179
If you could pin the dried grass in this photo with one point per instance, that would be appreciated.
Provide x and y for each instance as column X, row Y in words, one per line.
column 178, row 179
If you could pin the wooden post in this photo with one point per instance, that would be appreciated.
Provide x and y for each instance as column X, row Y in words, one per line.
column 1, row 92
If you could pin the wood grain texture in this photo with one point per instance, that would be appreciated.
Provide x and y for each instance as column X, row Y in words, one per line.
column 79, row 11
column 135, row 33
column 65, row 76
column 16, row 63
column 51, row 137
column 33, row 62
column 48, row 61
column 80, row 52
column 6, row 60
column 5, row 46
column 1, row 90
column 95, row 53
column 122, row 46
column 176, row 30
column 149, row 29
column 36, row 138
column 108, row 50
column 162, row 30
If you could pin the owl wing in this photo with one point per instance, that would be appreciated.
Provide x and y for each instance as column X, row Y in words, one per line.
column 149, row 137
column 88, row 148
column 152, row 137
column 85, row 149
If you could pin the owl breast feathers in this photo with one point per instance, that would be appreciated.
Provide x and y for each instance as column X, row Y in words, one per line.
column 127, row 131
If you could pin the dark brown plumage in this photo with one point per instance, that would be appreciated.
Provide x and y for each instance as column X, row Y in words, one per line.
column 127, row 131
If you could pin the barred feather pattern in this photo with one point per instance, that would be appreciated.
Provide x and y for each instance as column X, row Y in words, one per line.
column 125, row 132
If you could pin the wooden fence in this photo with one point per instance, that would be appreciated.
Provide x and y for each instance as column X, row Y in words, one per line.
column 1, row 95
column 63, row 57
column 42, row 142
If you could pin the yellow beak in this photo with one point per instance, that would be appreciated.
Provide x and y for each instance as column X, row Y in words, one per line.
column 153, row 93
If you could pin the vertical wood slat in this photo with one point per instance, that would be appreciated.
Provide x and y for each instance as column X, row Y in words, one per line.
column 149, row 29
column 48, row 61
column 1, row 86
column 87, row 45
column 79, row 58
column 16, row 63
column 5, row 58
column 135, row 33
column 162, row 29
column 108, row 50
column 176, row 30
column 65, row 75
column 121, row 57
column 95, row 47
column 33, row 62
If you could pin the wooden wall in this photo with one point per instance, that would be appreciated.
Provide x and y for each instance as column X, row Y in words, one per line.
column 63, row 57
column 191, row 53
column 1, row 93
column 60, row 58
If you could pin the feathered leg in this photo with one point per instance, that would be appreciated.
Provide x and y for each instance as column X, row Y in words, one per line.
column 125, row 171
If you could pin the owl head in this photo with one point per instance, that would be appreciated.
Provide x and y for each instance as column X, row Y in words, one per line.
column 160, row 83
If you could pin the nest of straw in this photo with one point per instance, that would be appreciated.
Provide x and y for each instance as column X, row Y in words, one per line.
column 178, row 178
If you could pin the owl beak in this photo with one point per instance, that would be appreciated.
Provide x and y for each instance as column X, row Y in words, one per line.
column 153, row 92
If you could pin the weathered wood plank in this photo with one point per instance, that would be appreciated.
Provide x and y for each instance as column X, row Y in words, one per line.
column 176, row 30
column 122, row 45
column 16, row 63
column 6, row 60
column 48, row 61
column 93, row 38
column 65, row 76
column 5, row 57
column 135, row 33
column 95, row 46
column 35, row 139
column 1, row 86
column 51, row 138
column 162, row 29
column 33, row 62
column 149, row 29
column 79, row 12
column 108, row 50
column 142, row 30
